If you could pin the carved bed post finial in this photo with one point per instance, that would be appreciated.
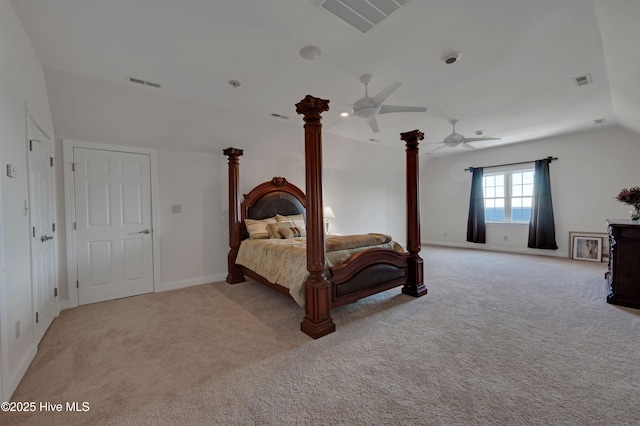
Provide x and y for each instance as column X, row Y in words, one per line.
column 279, row 181
column 317, row 321
column 234, row 273
column 415, row 285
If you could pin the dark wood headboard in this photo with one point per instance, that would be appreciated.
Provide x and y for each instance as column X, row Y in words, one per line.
column 277, row 196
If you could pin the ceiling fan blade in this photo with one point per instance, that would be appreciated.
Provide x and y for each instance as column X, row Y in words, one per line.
column 373, row 123
column 338, row 121
column 385, row 109
column 467, row 146
column 431, row 152
column 385, row 93
column 480, row 139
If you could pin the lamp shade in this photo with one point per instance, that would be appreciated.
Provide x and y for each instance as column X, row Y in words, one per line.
column 328, row 213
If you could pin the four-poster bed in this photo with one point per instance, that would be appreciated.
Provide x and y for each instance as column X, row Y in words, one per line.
column 365, row 273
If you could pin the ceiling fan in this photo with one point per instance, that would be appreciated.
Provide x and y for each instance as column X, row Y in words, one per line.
column 368, row 107
column 455, row 139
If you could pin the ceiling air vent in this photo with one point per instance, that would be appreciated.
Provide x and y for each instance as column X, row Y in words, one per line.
column 600, row 121
column 144, row 82
column 362, row 14
column 582, row 80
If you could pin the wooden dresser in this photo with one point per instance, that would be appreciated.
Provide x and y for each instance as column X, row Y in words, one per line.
column 624, row 263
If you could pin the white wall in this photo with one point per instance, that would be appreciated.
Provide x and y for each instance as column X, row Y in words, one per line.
column 591, row 169
column 22, row 86
column 192, row 243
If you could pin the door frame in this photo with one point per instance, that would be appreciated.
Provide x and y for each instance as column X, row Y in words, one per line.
column 68, row 146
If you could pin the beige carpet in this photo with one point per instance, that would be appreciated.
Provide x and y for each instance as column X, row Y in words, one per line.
column 501, row 339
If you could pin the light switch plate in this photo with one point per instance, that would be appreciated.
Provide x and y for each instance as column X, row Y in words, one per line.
column 11, row 171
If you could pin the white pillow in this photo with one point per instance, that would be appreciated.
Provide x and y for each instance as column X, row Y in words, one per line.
column 296, row 219
column 257, row 229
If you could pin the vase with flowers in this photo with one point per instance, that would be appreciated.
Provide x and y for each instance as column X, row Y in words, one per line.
column 631, row 196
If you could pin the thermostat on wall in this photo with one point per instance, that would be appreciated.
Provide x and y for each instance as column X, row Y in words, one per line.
column 11, row 171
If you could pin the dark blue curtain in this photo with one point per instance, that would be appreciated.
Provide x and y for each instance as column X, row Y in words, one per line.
column 542, row 228
column 476, row 229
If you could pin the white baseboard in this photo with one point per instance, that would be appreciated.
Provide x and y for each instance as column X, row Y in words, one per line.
column 191, row 282
column 538, row 252
column 19, row 373
column 62, row 305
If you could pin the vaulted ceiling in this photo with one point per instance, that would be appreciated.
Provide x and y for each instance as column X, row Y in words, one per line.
column 514, row 78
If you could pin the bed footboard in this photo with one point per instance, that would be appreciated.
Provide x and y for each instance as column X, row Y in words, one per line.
column 366, row 273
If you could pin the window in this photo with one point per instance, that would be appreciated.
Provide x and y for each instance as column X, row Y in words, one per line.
column 508, row 196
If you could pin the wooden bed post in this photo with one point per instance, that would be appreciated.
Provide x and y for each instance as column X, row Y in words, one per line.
column 317, row 321
column 234, row 275
column 415, row 285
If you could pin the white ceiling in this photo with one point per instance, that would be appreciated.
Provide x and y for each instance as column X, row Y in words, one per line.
column 514, row 79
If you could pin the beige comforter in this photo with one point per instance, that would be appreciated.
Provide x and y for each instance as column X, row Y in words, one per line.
column 284, row 262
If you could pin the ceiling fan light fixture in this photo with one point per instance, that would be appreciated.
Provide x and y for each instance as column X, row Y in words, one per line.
column 450, row 58
column 368, row 107
column 366, row 112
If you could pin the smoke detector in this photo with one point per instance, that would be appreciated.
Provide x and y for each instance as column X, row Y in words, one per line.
column 310, row 52
column 451, row 58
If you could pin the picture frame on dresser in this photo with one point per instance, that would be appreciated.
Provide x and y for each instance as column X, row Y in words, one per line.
column 587, row 248
column 582, row 237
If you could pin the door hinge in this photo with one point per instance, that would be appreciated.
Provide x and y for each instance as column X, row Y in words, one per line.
column 53, row 227
column 31, row 141
column 37, row 319
column 34, row 232
column 73, row 167
column 55, row 292
column 77, row 284
column 51, row 161
column 74, row 226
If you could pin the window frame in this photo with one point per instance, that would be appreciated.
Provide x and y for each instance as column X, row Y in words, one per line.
column 507, row 174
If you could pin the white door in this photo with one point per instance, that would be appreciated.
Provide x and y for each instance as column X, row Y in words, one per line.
column 43, row 256
column 113, row 224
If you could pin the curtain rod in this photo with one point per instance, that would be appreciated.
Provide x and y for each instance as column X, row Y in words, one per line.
column 511, row 164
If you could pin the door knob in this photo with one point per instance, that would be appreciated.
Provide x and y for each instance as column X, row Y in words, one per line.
column 146, row 231
column 45, row 238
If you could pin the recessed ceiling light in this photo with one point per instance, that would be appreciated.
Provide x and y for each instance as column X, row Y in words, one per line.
column 310, row 52
column 450, row 58
column 344, row 114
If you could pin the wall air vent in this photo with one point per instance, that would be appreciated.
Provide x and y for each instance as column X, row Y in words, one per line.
column 362, row 14
column 284, row 117
column 144, row 82
column 582, row 80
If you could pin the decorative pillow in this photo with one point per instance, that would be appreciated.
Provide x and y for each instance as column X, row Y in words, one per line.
column 257, row 229
column 289, row 230
column 297, row 219
column 273, row 231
